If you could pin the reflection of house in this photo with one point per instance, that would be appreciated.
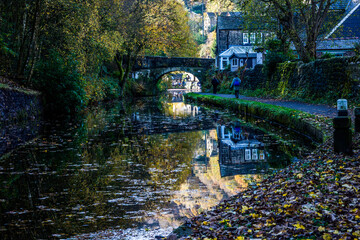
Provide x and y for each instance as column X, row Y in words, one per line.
column 242, row 169
column 200, row 164
column 234, row 41
column 237, row 148
column 210, row 144
column 179, row 108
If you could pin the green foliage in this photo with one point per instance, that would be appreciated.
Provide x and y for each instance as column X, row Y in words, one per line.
column 213, row 49
column 4, row 49
column 327, row 55
column 198, row 9
column 138, row 87
column 93, row 33
column 99, row 89
column 165, row 83
column 320, row 81
column 292, row 118
column 60, row 83
column 276, row 53
column 199, row 38
column 357, row 49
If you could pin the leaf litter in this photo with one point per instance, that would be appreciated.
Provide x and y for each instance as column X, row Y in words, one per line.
column 317, row 198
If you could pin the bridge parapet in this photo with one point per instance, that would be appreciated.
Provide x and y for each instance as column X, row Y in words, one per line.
column 166, row 62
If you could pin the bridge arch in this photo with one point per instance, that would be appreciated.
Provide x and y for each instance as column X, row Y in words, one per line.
column 196, row 72
column 156, row 67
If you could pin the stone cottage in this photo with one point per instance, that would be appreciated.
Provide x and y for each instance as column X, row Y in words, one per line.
column 234, row 42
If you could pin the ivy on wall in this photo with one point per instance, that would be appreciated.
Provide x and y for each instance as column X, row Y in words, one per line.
column 324, row 80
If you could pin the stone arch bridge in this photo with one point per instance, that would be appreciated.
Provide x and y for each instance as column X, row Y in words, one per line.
column 156, row 67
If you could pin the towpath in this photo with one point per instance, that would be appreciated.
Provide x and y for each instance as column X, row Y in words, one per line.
column 316, row 109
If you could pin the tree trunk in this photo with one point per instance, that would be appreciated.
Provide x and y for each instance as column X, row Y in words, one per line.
column 22, row 43
column 33, row 47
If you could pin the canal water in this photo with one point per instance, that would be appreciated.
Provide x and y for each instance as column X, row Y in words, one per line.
column 134, row 171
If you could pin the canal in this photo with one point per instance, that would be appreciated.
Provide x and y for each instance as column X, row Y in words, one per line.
column 136, row 170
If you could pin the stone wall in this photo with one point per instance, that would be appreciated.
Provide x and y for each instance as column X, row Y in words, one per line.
column 327, row 79
column 20, row 113
column 18, row 105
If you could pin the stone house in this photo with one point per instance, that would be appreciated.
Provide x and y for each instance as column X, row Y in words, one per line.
column 234, row 42
column 209, row 22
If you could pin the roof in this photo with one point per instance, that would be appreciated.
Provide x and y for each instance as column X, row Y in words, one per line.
column 340, row 5
column 238, row 51
column 334, row 44
column 349, row 26
column 230, row 14
column 211, row 14
column 337, row 44
column 230, row 22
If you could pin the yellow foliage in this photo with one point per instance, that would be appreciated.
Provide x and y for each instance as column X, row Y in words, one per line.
column 299, row 226
column 321, row 229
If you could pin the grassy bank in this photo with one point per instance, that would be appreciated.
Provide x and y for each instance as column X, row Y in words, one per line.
column 316, row 198
column 315, row 127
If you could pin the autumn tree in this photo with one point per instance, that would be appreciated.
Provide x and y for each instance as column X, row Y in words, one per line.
column 31, row 29
column 221, row 5
column 300, row 21
column 152, row 28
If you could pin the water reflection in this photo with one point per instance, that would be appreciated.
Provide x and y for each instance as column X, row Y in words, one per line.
column 152, row 166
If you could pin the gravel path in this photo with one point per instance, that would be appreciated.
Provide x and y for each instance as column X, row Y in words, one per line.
column 322, row 110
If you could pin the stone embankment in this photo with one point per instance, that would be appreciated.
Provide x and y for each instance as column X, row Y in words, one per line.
column 302, row 122
column 20, row 111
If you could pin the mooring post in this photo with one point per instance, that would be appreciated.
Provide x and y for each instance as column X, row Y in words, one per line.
column 342, row 126
column 357, row 119
column 342, row 107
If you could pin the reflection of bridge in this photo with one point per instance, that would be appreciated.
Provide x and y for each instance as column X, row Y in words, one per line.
column 177, row 94
column 156, row 67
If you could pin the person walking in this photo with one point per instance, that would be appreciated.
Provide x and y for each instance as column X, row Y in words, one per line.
column 215, row 82
column 236, row 85
column 236, row 81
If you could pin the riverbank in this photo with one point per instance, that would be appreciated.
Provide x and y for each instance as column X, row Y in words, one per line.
column 316, row 198
column 315, row 127
column 20, row 113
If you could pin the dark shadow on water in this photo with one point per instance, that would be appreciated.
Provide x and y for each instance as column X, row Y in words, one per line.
column 148, row 163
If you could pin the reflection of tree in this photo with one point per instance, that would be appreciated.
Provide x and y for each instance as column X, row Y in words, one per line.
column 79, row 176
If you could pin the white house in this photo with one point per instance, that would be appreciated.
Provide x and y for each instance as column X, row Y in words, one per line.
column 236, row 56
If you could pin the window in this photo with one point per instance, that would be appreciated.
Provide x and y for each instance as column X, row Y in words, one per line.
column 235, row 62
column 247, row 154
column 262, row 155
column 224, row 63
column 245, row 38
column 255, row 154
column 259, row 38
column 252, row 38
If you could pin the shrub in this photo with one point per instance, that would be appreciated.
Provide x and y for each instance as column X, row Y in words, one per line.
column 357, row 49
column 60, row 83
column 276, row 53
column 99, row 89
column 327, row 55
